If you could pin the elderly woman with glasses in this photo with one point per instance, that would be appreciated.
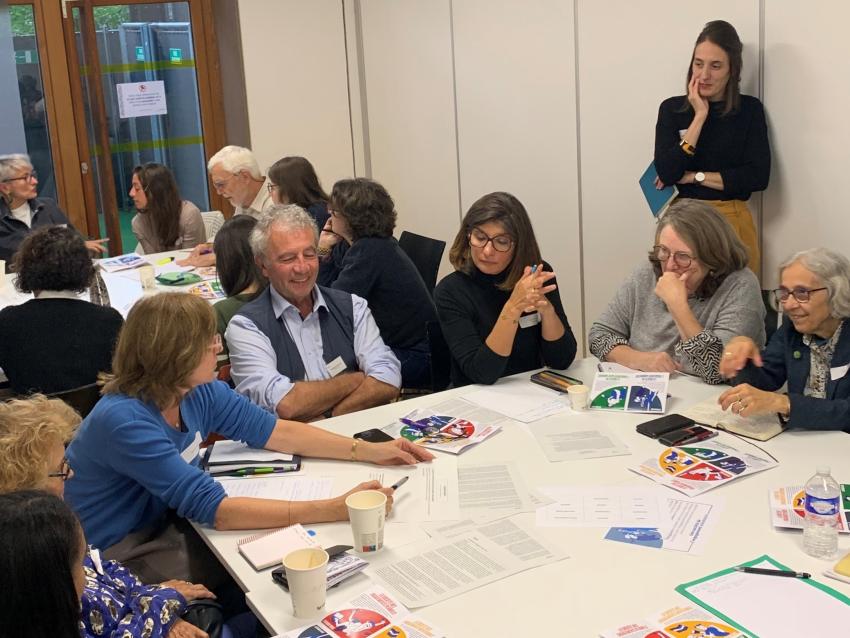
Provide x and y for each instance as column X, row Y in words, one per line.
column 500, row 310
column 676, row 311
column 21, row 210
column 810, row 352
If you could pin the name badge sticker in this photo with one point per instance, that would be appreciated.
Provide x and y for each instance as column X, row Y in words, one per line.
column 191, row 452
column 838, row 372
column 526, row 321
column 337, row 366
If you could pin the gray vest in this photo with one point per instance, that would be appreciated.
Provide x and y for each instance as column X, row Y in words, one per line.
column 336, row 323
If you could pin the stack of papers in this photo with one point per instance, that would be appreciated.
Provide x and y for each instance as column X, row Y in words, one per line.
column 122, row 262
column 234, row 458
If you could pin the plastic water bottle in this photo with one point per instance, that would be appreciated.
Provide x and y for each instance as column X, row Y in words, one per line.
column 820, row 534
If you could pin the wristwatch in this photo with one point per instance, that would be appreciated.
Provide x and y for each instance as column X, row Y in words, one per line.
column 699, row 177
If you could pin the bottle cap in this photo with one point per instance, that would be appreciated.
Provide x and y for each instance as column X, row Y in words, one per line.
column 823, row 469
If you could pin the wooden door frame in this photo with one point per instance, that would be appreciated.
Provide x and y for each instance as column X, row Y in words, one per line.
column 70, row 151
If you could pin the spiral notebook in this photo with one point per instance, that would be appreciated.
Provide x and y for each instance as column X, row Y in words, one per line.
column 268, row 548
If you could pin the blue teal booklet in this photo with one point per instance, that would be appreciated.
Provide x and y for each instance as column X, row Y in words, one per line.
column 658, row 200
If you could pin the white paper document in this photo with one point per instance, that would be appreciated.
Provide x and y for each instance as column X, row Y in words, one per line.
column 603, row 507
column 373, row 614
column 685, row 527
column 141, row 99
column 520, row 400
column 562, row 442
column 231, row 452
column 478, row 556
column 787, row 507
column 697, row 468
column 492, row 491
column 430, row 494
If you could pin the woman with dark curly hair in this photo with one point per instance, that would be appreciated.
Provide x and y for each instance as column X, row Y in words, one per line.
column 164, row 221
column 56, row 341
column 377, row 269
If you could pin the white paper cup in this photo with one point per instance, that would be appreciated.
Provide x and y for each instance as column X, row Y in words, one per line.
column 147, row 275
column 307, row 574
column 578, row 396
column 367, row 511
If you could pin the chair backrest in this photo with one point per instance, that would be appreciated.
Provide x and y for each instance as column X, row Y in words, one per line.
column 425, row 253
column 213, row 221
column 441, row 357
column 771, row 316
column 82, row 399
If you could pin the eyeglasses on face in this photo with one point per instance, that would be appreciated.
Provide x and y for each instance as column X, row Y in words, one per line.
column 26, row 177
column 221, row 183
column 479, row 239
column 801, row 294
column 682, row 259
column 216, row 343
column 272, row 187
column 64, row 473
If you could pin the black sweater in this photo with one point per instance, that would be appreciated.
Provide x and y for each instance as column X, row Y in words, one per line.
column 50, row 345
column 734, row 145
column 377, row 269
column 469, row 306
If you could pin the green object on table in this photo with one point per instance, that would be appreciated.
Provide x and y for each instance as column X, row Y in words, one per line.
column 178, row 278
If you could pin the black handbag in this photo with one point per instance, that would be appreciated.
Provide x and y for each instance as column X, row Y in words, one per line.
column 206, row 615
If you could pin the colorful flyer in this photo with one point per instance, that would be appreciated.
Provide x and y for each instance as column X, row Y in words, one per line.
column 373, row 614
column 122, row 262
column 208, row 290
column 696, row 469
column 786, row 507
column 630, row 391
column 450, row 427
column 684, row 621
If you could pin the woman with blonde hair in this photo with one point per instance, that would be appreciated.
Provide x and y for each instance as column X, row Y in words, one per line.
column 136, row 461
column 33, row 434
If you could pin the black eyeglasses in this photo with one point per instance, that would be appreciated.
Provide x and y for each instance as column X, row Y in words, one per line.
column 29, row 176
column 662, row 253
column 802, row 295
column 64, row 473
column 479, row 239
column 272, row 187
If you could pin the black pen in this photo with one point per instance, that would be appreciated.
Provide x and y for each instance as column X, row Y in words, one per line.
column 399, row 483
column 773, row 572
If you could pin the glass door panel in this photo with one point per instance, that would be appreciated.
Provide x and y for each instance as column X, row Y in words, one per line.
column 31, row 90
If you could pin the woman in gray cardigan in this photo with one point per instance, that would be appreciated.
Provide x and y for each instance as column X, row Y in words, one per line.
column 676, row 312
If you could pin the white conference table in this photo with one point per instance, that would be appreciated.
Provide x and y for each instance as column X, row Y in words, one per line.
column 602, row 584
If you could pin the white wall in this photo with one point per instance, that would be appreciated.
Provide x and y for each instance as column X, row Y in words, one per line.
column 553, row 100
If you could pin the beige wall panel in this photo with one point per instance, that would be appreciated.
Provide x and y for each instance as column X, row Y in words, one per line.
column 633, row 55
column 807, row 97
column 407, row 64
column 515, row 69
column 296, row 83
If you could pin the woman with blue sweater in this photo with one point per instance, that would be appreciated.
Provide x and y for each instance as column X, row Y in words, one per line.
column 136, row 456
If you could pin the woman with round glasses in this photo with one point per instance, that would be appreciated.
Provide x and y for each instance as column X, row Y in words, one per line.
column 712, row 142
column 33, row 434
column 676, row 311
column 500, row 310
column 164, row 221
column 21, row 210
column 810, row 351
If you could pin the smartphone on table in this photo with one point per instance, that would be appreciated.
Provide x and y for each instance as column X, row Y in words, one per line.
column 374, row 435
column 656, row 427
column 686, row 436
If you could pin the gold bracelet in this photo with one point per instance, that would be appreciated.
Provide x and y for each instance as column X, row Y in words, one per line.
column 354, row 450
column 689, row 149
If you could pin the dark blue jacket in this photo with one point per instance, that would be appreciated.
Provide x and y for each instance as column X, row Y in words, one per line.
column 787, row 358
column 45, row 212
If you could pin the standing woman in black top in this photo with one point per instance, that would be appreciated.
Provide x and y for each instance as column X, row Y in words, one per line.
column 500, row 310
column 712, row 143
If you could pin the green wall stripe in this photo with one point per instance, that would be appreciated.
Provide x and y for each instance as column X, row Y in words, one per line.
column 158, row 65
column 144, row 145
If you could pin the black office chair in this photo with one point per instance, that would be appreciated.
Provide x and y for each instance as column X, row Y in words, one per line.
column 426, row 254
column 82, row 399
column 771, row 316
column 439, row 364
